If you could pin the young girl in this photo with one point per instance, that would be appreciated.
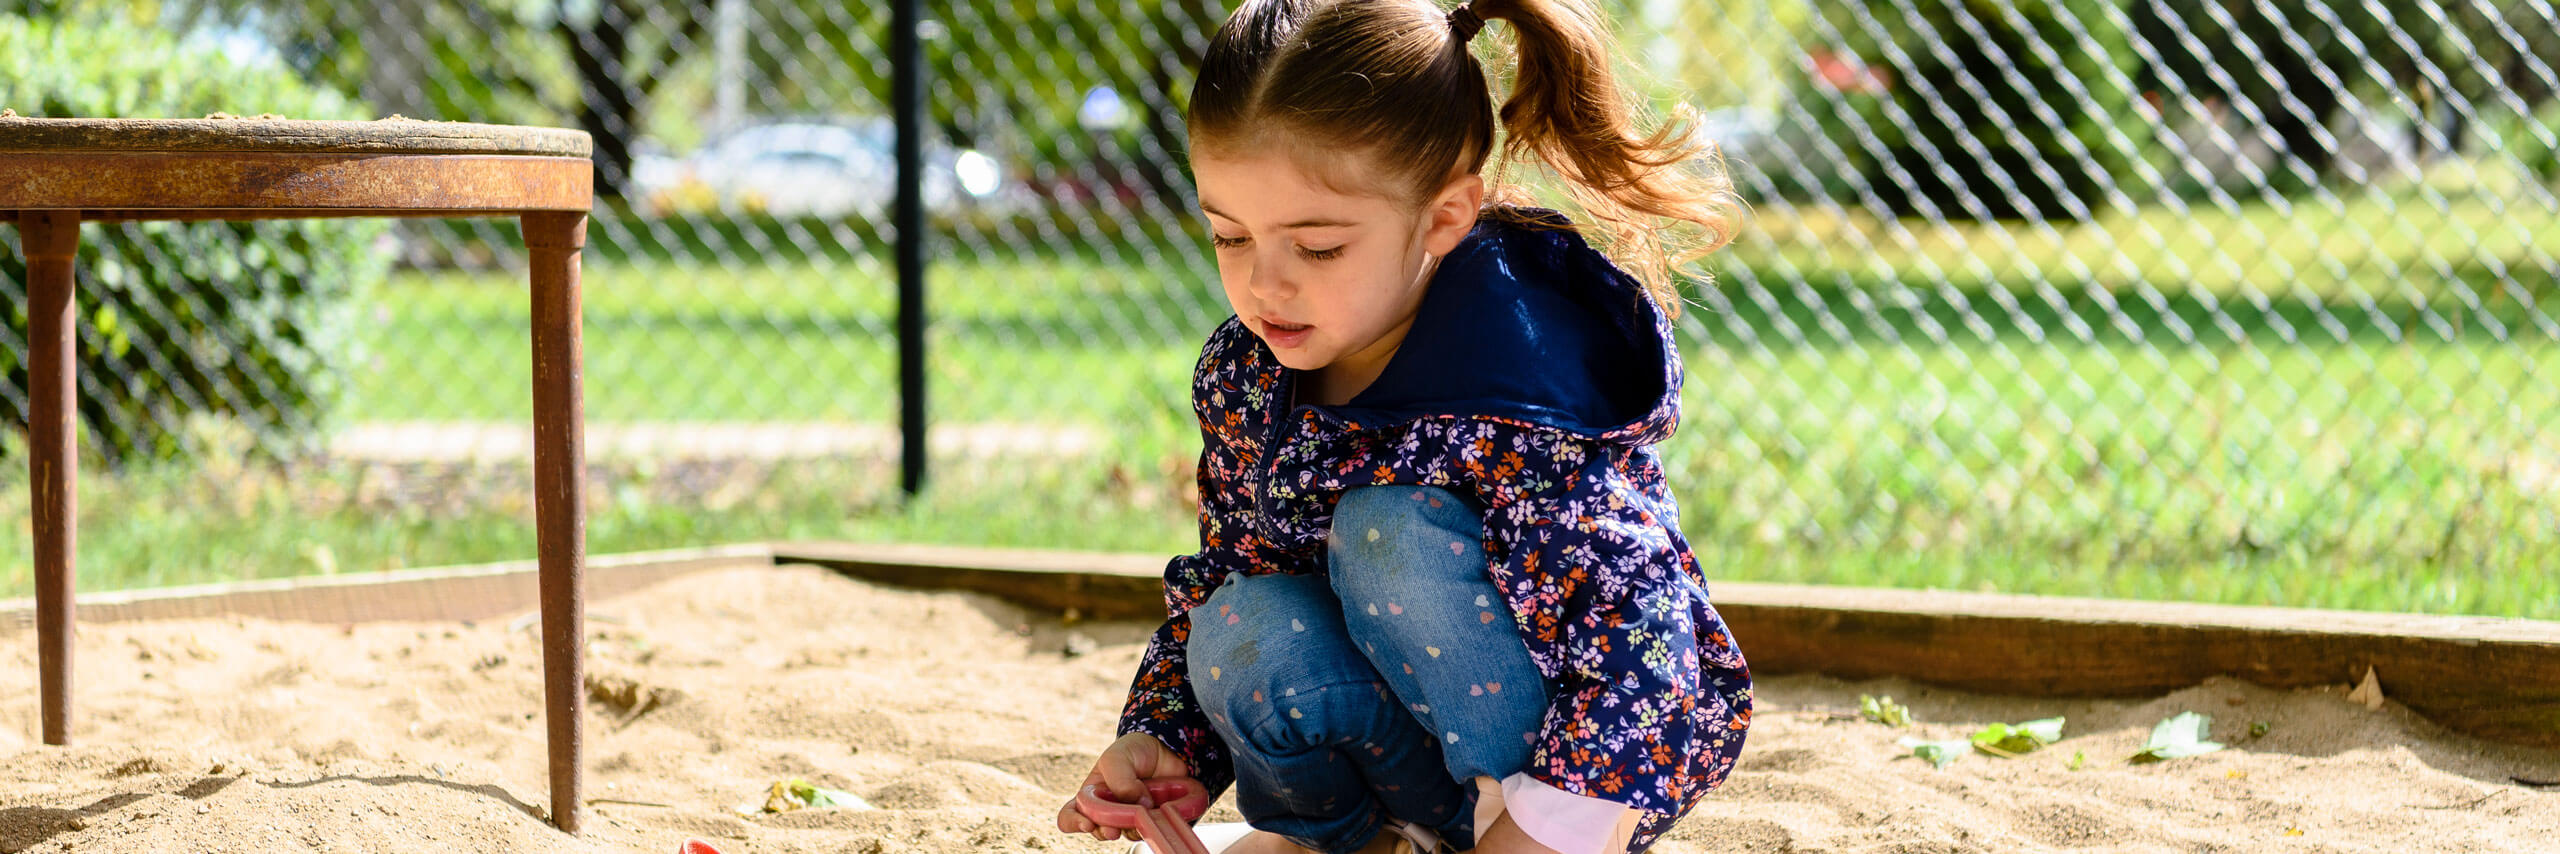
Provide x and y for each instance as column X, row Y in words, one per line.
column 1442, row 599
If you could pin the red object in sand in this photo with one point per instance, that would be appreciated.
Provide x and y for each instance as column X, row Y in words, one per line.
column 1162, row 816
column 1166, row 830
column 696, row 846
column 1183, row 795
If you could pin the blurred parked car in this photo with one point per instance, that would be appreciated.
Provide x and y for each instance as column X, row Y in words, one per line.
column 814, row 168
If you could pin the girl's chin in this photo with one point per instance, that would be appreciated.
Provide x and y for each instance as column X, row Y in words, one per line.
column 1301, row 361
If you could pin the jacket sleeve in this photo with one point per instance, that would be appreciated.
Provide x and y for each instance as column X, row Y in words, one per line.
column 1649, row 697
column 1161, row 702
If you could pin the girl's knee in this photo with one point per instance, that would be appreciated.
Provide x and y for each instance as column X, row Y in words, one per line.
column 1405, row 507
column 1387, row 537
column 1271, row 661
column 1288, row 711
column 1236, row 632
column 1289, row 721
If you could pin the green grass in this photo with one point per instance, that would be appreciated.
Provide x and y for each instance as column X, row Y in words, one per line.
column 2297, row 444
column 2426, row 244
column 2308, row 411
column 226, row 521
column 2420, row 483
column 1011, row 342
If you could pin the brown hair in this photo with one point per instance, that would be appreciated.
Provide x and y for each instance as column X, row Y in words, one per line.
column 1394, row 79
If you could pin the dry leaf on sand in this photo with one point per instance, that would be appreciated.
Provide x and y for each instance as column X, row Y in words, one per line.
column 2369, row 693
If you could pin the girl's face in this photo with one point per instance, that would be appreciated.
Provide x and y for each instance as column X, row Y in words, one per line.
column 1329, row 280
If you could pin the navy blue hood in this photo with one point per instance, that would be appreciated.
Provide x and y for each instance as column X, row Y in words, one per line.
column 1528, row 322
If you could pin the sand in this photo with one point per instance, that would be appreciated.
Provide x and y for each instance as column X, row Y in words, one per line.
column 965, row 722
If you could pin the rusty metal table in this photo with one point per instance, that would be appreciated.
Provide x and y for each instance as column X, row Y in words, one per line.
column 58, row 173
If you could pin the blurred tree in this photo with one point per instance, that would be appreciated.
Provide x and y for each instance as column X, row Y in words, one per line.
column 2503, row 49
column 1973, row 109
column 142, row 12
column 999, row 68
column 2293, row 67
column 621, row 52
column 592, row 63
column 1023, row 70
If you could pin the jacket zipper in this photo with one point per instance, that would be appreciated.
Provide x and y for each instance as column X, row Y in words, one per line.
column 1283, row 417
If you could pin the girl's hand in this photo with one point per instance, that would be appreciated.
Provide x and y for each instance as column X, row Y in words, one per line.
column 1120, row 770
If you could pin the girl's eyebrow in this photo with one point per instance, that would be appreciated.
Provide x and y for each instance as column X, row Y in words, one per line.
column 1304, row 223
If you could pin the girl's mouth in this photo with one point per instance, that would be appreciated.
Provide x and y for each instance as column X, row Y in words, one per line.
column 1279, row 334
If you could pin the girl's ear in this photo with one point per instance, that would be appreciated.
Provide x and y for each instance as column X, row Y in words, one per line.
column 1451, row 214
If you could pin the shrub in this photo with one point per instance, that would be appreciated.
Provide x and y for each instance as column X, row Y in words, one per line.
column 248, row 322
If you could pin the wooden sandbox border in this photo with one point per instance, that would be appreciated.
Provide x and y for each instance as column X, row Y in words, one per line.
column 427, row 594
column 2494, row 678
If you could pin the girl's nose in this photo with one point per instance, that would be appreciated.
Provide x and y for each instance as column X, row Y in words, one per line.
column 1268, row 281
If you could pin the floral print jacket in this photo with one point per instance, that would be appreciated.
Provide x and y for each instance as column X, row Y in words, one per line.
column 1535, row 378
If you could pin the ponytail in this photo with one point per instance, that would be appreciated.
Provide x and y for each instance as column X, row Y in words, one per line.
column 1568, row 111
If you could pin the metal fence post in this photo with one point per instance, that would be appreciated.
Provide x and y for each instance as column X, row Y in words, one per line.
column 907, row 99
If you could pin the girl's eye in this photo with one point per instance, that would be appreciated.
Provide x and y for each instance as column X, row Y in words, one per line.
column 1224, row 242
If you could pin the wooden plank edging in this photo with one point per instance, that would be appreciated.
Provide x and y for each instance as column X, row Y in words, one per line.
column 2492, row 677
column 1098, row 585
column 426, row 594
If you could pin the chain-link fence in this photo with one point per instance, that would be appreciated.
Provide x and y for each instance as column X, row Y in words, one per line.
column 2111, row 296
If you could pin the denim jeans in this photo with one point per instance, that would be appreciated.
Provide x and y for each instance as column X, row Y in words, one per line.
column 1379, row 690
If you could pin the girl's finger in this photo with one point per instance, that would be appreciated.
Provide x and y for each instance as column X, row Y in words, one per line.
column 1123, row 782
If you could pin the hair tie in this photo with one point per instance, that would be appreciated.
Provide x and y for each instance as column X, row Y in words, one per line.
column 1464, row 22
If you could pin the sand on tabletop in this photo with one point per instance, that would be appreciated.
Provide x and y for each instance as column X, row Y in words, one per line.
column 966, row 722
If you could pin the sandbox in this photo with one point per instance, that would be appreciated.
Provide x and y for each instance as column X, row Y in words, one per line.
column 296, row 717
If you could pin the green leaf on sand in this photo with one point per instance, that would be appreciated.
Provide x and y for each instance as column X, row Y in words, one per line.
column 795, row 794
column 1883, row 710
column 2009, row 740
column 2180, row 736
column 823, row 798
column 1939, row 753
column 1998, row 739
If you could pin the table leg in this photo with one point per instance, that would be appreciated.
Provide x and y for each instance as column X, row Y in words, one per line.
column 553, row 239
column 52, row 239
